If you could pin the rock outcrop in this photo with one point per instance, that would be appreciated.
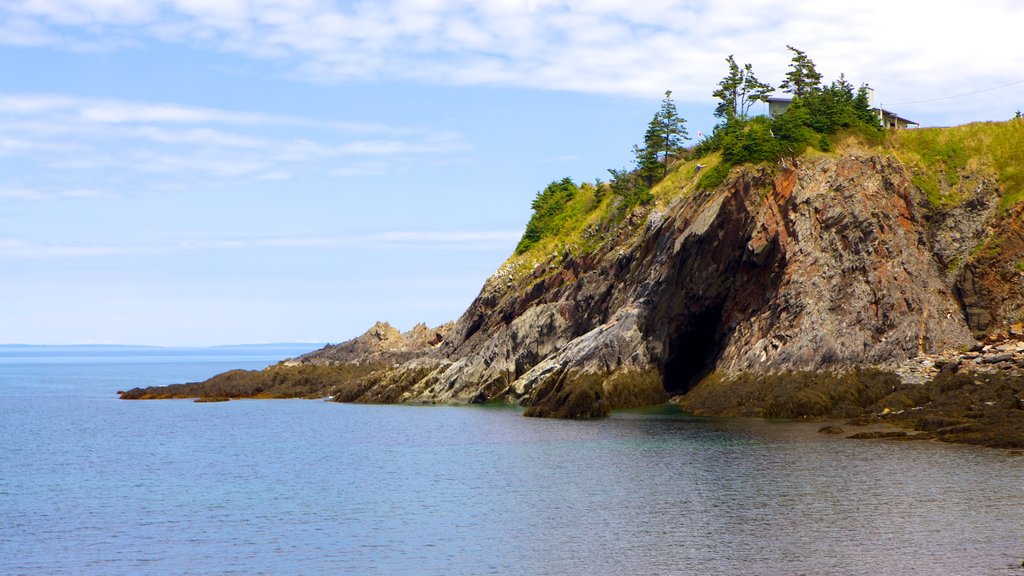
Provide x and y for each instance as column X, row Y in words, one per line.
column 991, row 282
column 826, row 264
column 823, row 264
column 381, row 344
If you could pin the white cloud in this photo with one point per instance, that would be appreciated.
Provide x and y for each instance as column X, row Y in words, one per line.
column 612, row 46
column 13, row 248
column 501, row 241
column 105, row 111
column 22, row 194
column 88, row 194
column 457, row 240
column 200, row 136
column 111, row 142
column 37, row 195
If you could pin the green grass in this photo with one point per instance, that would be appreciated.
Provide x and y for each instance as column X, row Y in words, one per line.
column 575, row 219
column 554, row 209
column 563, row 218
column 578, row 219
column 943, row 155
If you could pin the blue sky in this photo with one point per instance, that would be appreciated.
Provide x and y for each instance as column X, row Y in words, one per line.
column 191, row 172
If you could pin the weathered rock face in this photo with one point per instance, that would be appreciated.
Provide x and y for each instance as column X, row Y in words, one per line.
column 852, row 280
column 824, row 264
column 991, row 282
column 382, row 343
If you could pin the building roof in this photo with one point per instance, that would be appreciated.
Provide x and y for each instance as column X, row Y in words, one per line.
column 885, row 113
column 896, row 116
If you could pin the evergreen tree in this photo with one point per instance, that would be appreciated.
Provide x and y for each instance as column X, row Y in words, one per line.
column 673, row 128
column 738, row 92
column 663, row 140
column 648, row 161
column 802, row 79
column 728, row 91
column 753, row 91
column 862, row 108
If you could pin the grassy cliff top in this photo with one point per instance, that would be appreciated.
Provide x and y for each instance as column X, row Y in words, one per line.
column 939, row 158
column 574, row 219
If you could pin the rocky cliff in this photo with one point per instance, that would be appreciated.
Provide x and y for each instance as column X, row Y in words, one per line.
column 837, row 265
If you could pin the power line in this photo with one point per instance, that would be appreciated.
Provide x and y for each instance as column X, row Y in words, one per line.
column 958, row 95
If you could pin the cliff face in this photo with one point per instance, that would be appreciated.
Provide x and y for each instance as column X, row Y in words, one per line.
column 990, row 284
column 827, row 263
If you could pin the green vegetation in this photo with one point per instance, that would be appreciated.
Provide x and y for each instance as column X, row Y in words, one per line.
column 631, row 187
column 663, row 141
column 802, row 79
column 564, row 209
column 579, row 221
column 550, row 212
column 816, row 114
column 738, row 91
column 567, row 216
column 941, row 156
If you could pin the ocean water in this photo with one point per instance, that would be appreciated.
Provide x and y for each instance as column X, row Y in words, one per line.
column 93, row 485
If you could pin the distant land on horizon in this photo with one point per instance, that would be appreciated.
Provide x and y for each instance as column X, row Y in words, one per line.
column 302, row 346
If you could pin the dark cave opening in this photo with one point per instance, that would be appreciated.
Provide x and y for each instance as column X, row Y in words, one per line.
column 692, row 352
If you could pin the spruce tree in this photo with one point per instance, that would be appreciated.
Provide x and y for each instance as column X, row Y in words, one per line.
column 738, row 92
column 673, row 128
column 728, row 91
column 753, row 91
column 663, row 140
column 803, row 78
column 648, row 162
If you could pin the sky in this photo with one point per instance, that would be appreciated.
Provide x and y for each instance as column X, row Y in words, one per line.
column 203, row 172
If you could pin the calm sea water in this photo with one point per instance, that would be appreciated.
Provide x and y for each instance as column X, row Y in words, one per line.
column 93, row 485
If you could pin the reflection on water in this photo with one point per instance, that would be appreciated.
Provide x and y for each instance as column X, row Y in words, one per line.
column 89, row 484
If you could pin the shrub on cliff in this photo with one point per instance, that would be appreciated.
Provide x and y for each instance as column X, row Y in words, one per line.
column 815, row 113
column 629, row 186
column 549, row 212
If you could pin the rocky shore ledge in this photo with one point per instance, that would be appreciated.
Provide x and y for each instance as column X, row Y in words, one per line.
column 999, row 356
column 974, row 397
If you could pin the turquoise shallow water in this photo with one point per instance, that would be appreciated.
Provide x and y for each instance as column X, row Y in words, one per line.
column 93, row 485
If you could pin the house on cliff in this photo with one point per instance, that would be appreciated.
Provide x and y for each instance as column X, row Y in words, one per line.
column 888, row 119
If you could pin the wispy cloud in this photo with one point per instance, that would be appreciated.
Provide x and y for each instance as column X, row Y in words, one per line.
column 22, row 194
column 612, row 46
column 98, row 138
column 13, row 248
column 109, row 111
column 501, row 241
column 38, row 195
